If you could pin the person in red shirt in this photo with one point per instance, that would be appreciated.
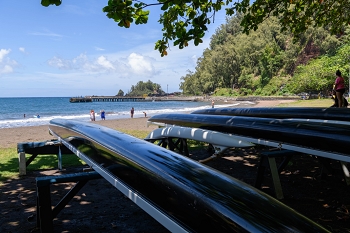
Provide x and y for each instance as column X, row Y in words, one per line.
column 92, row 115
column 339, row 87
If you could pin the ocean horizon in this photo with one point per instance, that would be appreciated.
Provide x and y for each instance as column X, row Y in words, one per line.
column 24, row 111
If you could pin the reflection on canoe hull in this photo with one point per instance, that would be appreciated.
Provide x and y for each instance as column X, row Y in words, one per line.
column 340, row 114
column 191, row 195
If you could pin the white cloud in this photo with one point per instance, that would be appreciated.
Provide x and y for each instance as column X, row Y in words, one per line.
column 194, row 59
column 21, row 49
column 59, row 63
column 102, row 61
column 49, row 34
column 6, row 69
column 3, row 53
column 80, row 60
column 82, row 63
column 141, row 65
column 133, row 65
column 6, row 64
column 99, row 49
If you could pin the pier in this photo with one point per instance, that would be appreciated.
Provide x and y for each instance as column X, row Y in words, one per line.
column 105, row 99
column 178, row 98
column 132, row 99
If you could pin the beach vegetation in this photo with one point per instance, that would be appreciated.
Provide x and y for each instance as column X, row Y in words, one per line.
column 226, row 92
column 187, row 21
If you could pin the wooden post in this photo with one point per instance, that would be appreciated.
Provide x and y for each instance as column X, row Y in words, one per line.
column 59, row 158
column 22, row 163
column 275, row 178
column 346, row 172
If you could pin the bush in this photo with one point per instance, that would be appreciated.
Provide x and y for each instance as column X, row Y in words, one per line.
column 226, row 92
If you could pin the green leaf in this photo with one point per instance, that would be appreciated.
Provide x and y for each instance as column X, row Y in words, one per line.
column 45, row 2
column 50, row 2
column 164, row 7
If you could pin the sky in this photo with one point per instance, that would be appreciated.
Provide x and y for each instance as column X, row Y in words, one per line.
column 75, row 50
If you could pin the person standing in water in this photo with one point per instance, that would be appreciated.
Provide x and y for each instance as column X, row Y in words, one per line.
column 92, row 115
column 132, row 112
column 103, row 117
column 212, row 104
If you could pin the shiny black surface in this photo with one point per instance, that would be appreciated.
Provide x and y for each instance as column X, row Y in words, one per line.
column 198, row 197
column 341, row 114
column 320, row 136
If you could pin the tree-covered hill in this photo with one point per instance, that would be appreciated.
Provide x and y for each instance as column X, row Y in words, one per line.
column 268, row 62
column 145, row 88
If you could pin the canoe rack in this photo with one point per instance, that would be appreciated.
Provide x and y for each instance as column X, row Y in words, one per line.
column 44, row 213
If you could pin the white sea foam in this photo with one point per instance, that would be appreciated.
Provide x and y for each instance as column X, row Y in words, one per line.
column 114, row 112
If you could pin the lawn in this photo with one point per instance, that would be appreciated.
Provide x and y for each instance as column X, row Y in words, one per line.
column 310, row 103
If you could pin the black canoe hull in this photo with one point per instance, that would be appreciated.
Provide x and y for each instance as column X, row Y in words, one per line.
column 194, row 196
column 340, row 114
column 328, row 137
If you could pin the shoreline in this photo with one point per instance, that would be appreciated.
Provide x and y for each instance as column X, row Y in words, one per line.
column 11, row 136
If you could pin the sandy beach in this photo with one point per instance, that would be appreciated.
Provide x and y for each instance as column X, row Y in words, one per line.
column 9, row 137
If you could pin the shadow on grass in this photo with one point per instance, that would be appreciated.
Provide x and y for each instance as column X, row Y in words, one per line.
column 40, row 162
column 97, row 207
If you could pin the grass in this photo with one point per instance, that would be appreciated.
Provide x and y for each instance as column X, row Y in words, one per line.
column 9, row 162
column 7, row 167
column 9, row 157
column 323, row 103
column 136, row 133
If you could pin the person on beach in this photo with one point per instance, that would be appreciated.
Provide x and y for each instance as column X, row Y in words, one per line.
column 145, row 114
column 339, row 87
column 132, row 112
column 103, row 117
column 336, row 104
column 212, row 104
column 92, row 115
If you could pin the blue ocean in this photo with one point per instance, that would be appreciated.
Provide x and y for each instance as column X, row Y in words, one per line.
column 33, row 111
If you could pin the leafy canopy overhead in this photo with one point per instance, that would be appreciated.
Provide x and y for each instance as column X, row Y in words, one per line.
column 297, row 15
column 185, row 20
